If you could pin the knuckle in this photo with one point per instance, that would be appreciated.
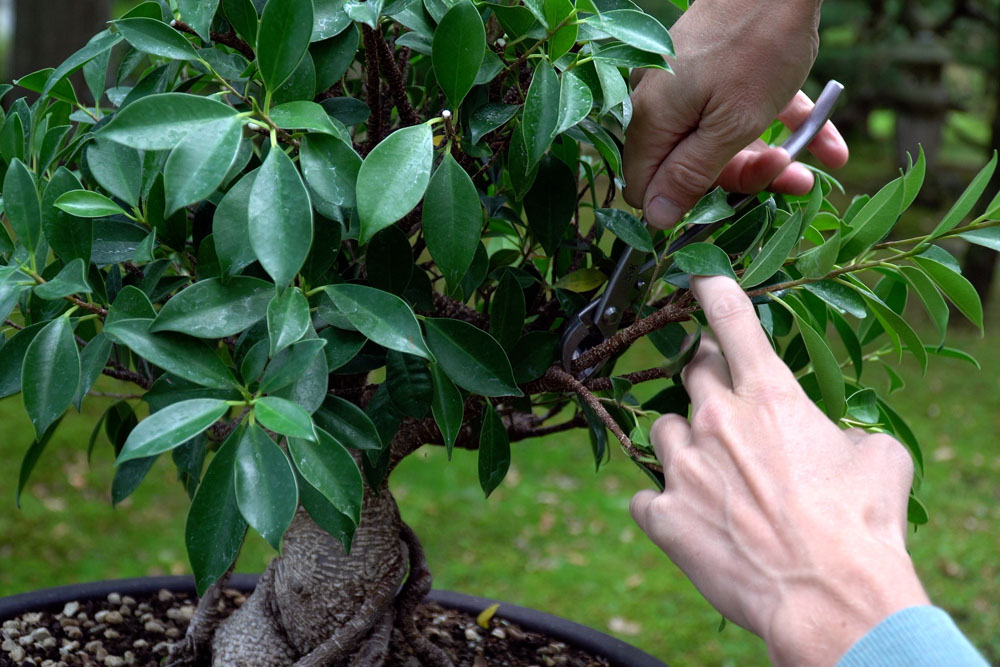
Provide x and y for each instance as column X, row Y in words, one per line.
column 897, row 456
column 729, row 309
column 691, row 179
column 711, row 415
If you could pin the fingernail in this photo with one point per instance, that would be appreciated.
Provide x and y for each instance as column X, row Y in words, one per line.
column 662, row 212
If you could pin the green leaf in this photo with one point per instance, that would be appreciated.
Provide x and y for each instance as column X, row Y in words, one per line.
column 331, row 470
column 215, row 528
column 840, row 296
column 198, row 164
column 988, row 238
column 242, row 15
column 913, row 180
column 284, row 417
column 623, row 55
column 825, row 366
column 70, row 237
column 953, row 353
column 471, row 357
column 819, row 261
column 98, row 45
column 12, row 358
column 704, row 259
column 447, row 407
column 341, row 346
column 157, row 38
column 71, row 279
column 916, row 511
column 551, row 203
column 290, row 364
column 494, row 451
column 330, row 168
column 582, row 280
column 710, row 208
column 198, row 14
column 171, row 426
column 92, row 361
column 329, row 19
column 213, row 309
column 964, row 205
column 614, row 90
column 287, row 318
column 53, row 364
column 533, row 354
column 933, row 302
column 393, row 177
column 873, row 221
column 266, row 491
column 636, row 29
column 959, row 290
column 452, row 219
column 575, row 101
column 851, row 342
column 178, row 354
column 21, row 205
column 899, row 428
column 895, row 325
column 117, row 168
column 280, row 220
column 457, row 51
column 12, row 138
column 326, row 516
column 555, row 12
column 625, row 226
column 507, row 311
column 160, row 122
column 862, row 405
column 230, row 227
column 774, row 253
column 541, row 111
column 348, row 424
column 409, row 383
column 489, row 117
column 380, row 316
column 31, row 458
column 283, row 38
column 304, row 115
column 87, row 204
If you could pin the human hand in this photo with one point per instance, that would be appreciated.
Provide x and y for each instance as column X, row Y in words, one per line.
column 789, row 526
column 740, row 64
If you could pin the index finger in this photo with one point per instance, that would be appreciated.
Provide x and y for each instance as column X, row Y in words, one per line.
column 738, row 331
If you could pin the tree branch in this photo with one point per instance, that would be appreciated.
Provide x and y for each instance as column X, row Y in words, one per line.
column 387, row 64
column 373, row 88
column 121, row 373
column 227, row 38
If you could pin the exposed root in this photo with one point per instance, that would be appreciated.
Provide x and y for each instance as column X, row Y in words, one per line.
column 417, row 585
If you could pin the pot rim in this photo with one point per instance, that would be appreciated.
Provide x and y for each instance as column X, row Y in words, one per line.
column 614, row 650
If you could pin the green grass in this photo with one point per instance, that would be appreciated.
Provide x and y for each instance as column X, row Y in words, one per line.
column 555, row 536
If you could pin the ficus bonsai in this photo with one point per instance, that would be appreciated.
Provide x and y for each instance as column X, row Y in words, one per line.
column 316, row 235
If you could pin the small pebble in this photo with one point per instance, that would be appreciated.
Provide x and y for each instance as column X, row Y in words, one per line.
column 49, row 642
column 128, row 600
column 173, row 633
column 162, row 648
column 32, row 618
column 12, row 633
column 10, row 625
column 114, row 661
column 111, row 634
column 472, row 635
column 144, row 606
column 164, row 595
column 68, row 621
column 146, row 618
column 125, row 610
column 114, row 618
column 153, row 626
column 71, row 608
column 101, row 653
column 16, row 654
column 91, row 647
column 115, row 598
column 73, row 632
column 68, row 647
column 499, row 633
column 101, row 616
column 129, row 658
column 39, row 634
column 140, row 644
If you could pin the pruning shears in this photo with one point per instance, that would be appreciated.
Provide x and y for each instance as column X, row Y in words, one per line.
column 600, row 319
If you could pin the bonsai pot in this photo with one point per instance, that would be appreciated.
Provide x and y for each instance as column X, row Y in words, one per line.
column 615, row 651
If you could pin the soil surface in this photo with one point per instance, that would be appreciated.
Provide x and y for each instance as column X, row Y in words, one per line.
column 124, row 631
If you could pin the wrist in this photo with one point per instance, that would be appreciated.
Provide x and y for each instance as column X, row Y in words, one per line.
column 821, row 615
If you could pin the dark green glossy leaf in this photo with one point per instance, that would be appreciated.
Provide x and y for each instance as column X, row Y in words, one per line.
column 672, row 400
column 988, row 238
column 53, row 364
column 329, row 19
column 389, row 261
column 98, row 44
column 287, row 318
column 130, row 303
column 12, row 358
column 266, row 491
column 953, row 353
column 341, row 346
column 331, row 470
column 614, row 90
column 157, row 38
column 330, row 168
column 959, row 290
column 452, row 219
column 862, row 405
column 242, row 15
column 213, row 309
column 873, row 221
column 310, row 387
column 280, row 220
column 828, row 374
column 286, row 28
column 636, row 29
column 898, row 427
column 307, row 115
column 575, row 101
column 471, row 357
column 494, row 451
column 623, row 55
column 171, row 426
column 447, row 407
column 31, row 459
column 541, row 111
column 288, row 365
column 532, row 355
column 409, row 383
column 551, row 203
column 933, row 302
column 625, row 226
column 507, row 311
column 21, row 205
column 230, row 227
column 851, row 342
column 348, row 424
column 176, row 353
column 489, row 117
column 819, row 261
column 128, row 476
column 198, row 14
column 333, row 56
column 325, row 514
column 704, row 259
column 393, row 177
column 457, row 51
column 215, row 528
column 967, row 200
column 87, row 204
column 92, row 361
column 382, row 317
column 117, row 168
column 774, row 253
column 895, row 325
column 160, row 122
column 198, row 164
column 840, row 296
column 71, row 279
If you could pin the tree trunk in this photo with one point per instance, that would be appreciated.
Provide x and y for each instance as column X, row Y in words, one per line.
column 46, row 32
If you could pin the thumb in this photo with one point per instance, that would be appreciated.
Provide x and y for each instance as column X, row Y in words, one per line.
column 686, row 174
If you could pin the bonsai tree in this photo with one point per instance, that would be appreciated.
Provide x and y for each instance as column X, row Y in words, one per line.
column 318, row 235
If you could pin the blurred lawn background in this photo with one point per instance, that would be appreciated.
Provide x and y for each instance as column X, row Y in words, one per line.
column 556, row 536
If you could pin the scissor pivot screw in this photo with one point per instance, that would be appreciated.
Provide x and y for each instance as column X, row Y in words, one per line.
column 610, row 312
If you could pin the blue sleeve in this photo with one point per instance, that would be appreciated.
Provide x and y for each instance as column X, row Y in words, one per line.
column 917, row 637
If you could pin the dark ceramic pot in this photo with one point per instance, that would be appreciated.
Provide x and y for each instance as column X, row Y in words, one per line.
column 615, row 651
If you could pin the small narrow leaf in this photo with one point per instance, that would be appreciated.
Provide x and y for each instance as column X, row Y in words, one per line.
column 959, row 290
column 828, row 374
column 87, row 204
column 541, row 111
column 507, row 311
column 873, row 221
column 20, row 203
column 494, row 451
column 382, row 317
column 156, row 38
column 968, row 199
column 625, row 226
column 704, row 259
column 287, row 319
column 171, row 426
column 471, row 357
column 70, row 280
column 447, row 407
column 348, row 424
column 331, row 470
column 284, row 417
